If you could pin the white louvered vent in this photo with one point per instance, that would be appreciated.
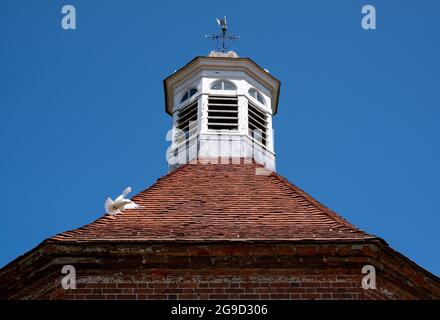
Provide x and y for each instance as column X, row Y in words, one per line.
column 187, row 122
column 257, row 124
column 222, row 113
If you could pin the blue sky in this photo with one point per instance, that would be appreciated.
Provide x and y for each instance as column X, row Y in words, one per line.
column 82, row 112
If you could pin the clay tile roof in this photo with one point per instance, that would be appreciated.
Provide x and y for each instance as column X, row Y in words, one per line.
column 220, row 202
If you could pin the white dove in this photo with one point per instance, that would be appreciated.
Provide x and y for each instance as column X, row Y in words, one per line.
column 120, row 203
column 222, row 23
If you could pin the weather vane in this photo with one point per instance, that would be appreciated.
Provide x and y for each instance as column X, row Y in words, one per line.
column 223, row 37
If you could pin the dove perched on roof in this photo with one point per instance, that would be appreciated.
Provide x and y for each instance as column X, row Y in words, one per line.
column 120, row 203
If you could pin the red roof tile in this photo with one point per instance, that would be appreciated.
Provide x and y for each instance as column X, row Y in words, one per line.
column 220, row 202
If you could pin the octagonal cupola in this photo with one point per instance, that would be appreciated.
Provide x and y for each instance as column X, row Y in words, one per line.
column 222, row 107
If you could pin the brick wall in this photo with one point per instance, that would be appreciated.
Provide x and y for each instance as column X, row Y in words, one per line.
column 216, row 271
column 193, row 285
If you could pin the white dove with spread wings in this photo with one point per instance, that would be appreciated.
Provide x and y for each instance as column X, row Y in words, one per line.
column 120, row 203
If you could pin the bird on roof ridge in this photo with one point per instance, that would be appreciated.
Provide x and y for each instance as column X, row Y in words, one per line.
column 120, row 203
